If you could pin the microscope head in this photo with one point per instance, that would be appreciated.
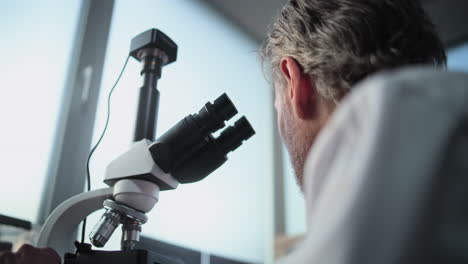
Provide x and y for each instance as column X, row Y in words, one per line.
column 192, row 137
column 186, row 153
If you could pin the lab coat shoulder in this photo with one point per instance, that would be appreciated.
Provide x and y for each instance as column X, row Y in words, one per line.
column 371, row 135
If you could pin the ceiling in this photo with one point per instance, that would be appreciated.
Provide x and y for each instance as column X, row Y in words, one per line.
column 254, row 16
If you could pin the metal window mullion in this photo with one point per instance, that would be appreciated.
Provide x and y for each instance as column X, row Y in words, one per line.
column 66, row 174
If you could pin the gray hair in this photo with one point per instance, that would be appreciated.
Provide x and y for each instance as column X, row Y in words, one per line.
column 339, row 42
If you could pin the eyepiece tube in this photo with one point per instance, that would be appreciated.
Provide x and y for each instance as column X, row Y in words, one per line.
column 213, row 154
column 224, row 107
column 189, row 135
column 212, row 116
column 231, row 138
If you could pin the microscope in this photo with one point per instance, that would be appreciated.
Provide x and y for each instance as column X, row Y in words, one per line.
column 186, row 153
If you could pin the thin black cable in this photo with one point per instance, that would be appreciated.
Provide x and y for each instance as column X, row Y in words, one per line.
column 88, row 174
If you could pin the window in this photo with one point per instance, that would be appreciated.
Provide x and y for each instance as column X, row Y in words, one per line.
column 37, row 38
column 214, row 57
column 458, row 58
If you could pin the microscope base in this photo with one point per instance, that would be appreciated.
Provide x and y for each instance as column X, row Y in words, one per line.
column 137, row 256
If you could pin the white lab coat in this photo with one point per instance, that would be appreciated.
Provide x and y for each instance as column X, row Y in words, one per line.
column 369, row 164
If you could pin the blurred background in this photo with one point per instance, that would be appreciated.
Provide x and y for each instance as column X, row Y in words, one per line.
column 59, row 61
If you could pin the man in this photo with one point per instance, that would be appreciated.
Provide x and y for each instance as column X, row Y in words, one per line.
column 317, row 50
column 28, row 254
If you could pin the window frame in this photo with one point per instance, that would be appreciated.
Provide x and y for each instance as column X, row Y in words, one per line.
column 66, row 175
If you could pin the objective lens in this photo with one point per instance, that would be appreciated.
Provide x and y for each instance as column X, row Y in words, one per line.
column 104, row 229
column 130, row 235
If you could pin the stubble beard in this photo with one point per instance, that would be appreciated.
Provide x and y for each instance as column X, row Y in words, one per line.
column 298, row 141
column 298, row 151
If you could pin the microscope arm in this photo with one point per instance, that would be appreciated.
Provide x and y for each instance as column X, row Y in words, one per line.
column 58, row 230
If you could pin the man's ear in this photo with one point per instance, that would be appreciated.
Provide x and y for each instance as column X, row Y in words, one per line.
column 301, row 89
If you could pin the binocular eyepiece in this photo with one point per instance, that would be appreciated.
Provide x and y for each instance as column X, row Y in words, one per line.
column 212, row 116
column 189, row 151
